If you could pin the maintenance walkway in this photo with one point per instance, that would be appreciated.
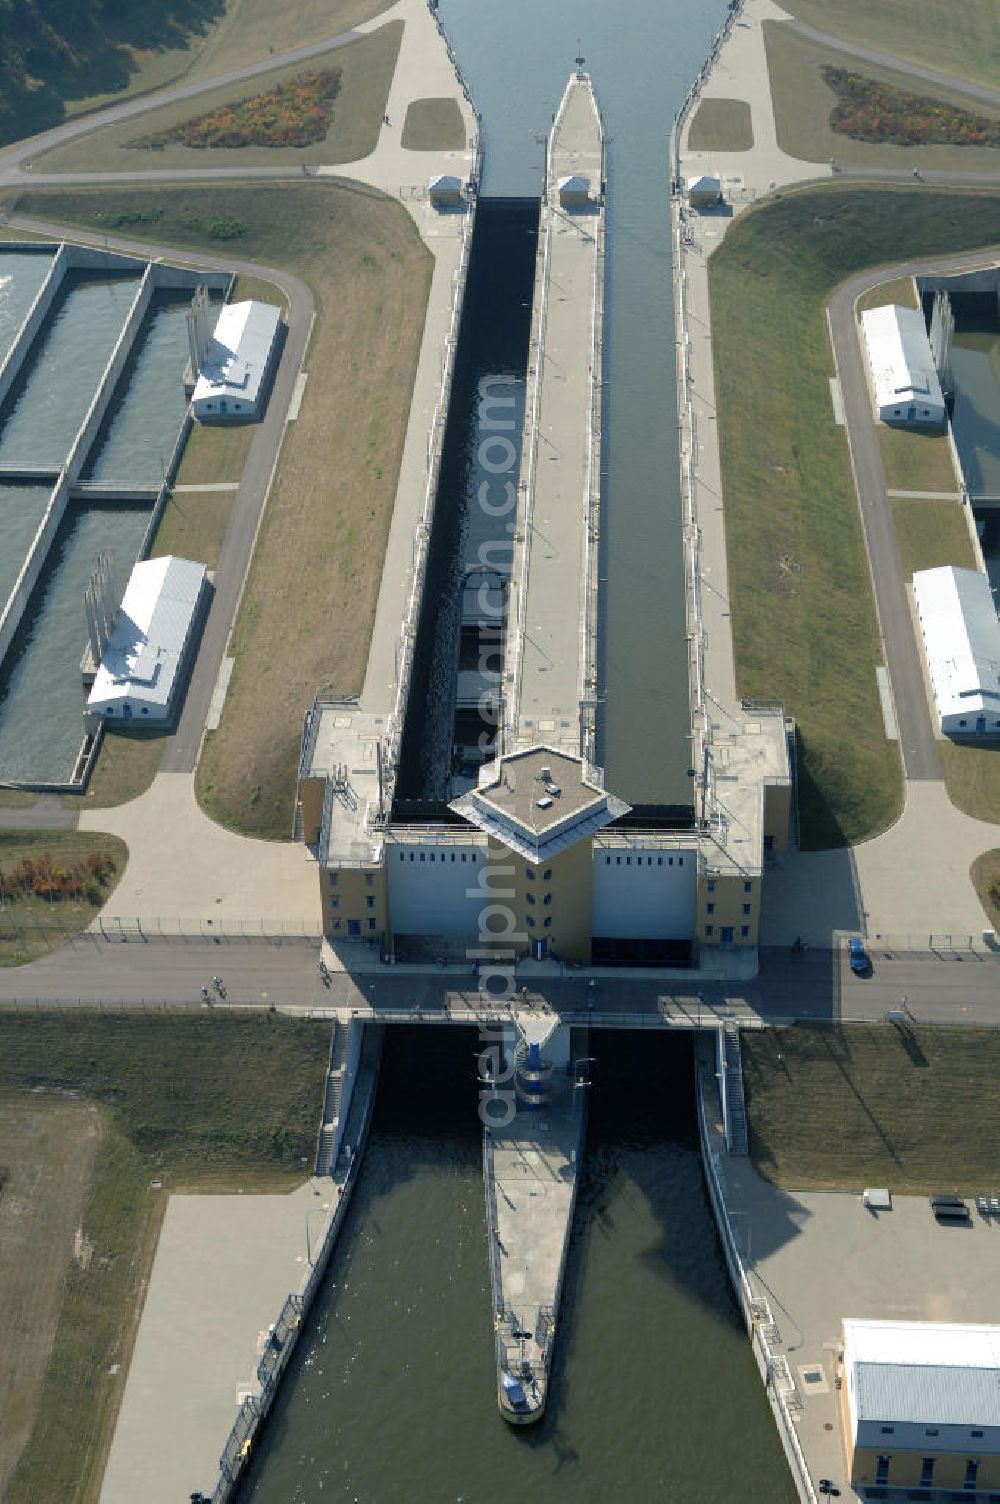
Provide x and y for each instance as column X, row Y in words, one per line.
column 551, row 666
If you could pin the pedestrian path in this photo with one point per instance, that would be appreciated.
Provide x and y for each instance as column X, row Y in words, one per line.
column 182, row 867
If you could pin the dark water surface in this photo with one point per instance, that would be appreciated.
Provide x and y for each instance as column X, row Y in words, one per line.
column 643, row 54
column 392, row 1398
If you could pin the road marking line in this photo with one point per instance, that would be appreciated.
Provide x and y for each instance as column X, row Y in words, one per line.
column 926, row 495
column 296, row 398
column 888, row 711
column 837, row 398
column 221, row 485
column 219, row 695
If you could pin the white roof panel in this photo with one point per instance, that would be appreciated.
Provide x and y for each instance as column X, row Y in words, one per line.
column 154, row 622
column 961, row 639
column 899, row 354
column 238, row 352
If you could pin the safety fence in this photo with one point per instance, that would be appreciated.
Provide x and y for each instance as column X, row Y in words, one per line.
column 773, row 1366
column 161, row 927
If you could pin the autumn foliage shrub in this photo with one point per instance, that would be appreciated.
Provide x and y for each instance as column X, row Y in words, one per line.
column 870, row 111
column 296, row 113
column 41, row 877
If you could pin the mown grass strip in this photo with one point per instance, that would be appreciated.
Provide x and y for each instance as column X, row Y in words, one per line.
column 804, row 625
column 911, row 1107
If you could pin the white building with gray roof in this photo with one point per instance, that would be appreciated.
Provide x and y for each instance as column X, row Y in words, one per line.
column 231, row 385
column 922, row 1405
column 142, row 668
column 905, row 380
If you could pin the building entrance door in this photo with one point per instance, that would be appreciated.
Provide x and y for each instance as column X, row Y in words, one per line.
column 726, row 937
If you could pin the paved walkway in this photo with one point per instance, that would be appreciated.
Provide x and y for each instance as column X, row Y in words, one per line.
column 184, row 867
column 224, row 1265
column 817, row 1257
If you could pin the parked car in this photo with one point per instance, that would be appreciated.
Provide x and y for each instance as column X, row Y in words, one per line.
column 861, row 961
column 950, row 1209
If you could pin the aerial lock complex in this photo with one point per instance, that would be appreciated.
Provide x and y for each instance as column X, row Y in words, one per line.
column 591, row 879
column 723, row 1024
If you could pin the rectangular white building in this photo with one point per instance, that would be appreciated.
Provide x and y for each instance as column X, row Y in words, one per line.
column 922, row 1405
column 961, row 637
column 907, row 388
column 141, row 672
column 230, row 385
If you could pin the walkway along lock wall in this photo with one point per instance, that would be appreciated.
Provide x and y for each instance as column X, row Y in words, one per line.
column 774, row 1372
column 287, row 1328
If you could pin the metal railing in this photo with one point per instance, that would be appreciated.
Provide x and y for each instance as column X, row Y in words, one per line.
column 757, row 1318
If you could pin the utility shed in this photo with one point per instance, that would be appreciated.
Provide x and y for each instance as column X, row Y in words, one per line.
column 231, row 383
column 907, row 387
column 445, row 191
column 921, row 1405
column 703, row 192
column 574, row 192
column 142, row 669
column 961, row 636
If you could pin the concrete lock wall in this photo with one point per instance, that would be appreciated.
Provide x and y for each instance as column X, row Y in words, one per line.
column 59, row 500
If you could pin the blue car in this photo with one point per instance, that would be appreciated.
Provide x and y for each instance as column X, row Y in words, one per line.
column 860, row 960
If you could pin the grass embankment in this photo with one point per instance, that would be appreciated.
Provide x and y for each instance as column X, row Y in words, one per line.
column 930, row 534
column 721, row 125
column 189, row 1103
column 915, row 461
column 47, row 1152
column 972, row 778
column 433, row 125
column 365, row 66
column 963, row 40
column 306, row 617
column 804, row 102
column 32, row 923
column 912, row 1108
column 803, row 618
column 985, row 874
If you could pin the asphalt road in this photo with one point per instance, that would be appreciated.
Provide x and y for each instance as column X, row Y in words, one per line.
column 90, row 972
column 916, row 732
column 14, row 156
column 913, row 714
column 898, row 65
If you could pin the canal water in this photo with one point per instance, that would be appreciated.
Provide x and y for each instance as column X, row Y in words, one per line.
column 391, row 1398
column 643, row 54
column 975, row 364
column 21, row 275
column 148, row 408
column 479, row 461
column 41, row 691
column 21, row 510
column 50, row 400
